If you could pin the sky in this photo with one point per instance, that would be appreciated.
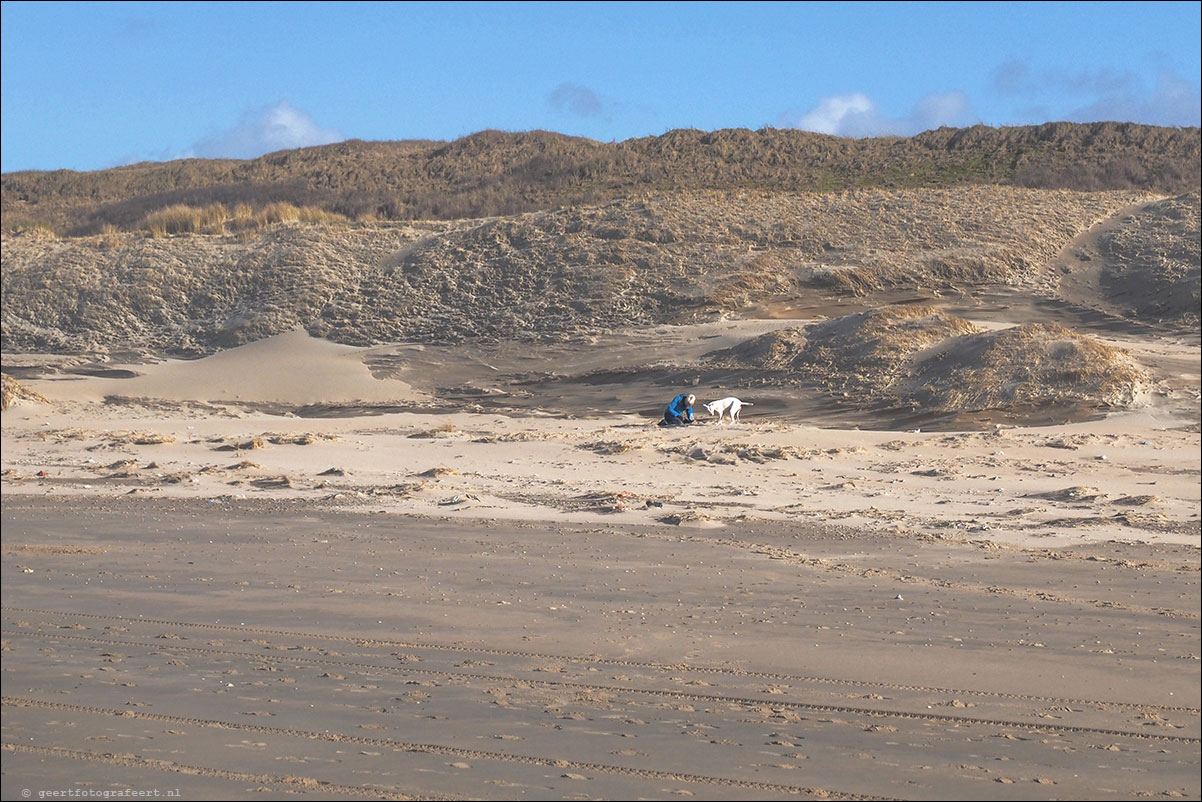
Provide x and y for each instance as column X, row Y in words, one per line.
column 93, row 85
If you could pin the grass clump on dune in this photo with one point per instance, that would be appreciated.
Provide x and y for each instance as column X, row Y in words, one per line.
column 217, row 218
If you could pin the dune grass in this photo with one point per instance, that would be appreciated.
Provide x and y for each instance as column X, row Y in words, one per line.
column 217, row 218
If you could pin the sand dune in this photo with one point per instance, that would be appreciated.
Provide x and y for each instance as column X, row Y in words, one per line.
column 291, row 369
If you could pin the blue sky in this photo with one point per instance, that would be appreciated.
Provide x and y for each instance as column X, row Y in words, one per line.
column 93, row 85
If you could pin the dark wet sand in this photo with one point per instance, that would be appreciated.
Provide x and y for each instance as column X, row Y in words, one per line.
column 276, row 649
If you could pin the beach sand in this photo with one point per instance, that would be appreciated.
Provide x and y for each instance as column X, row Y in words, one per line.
column 297, row 569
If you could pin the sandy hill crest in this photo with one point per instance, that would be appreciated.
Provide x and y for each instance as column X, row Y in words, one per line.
column 492, row 173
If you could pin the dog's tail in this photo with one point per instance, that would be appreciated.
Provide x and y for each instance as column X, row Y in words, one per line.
column 748, row 404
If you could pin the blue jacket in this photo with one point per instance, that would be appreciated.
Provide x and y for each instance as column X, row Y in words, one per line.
column 680, row 406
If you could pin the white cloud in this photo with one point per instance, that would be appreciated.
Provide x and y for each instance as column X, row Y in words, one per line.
column 833, row 115
column 856, row 115
column 263, row 130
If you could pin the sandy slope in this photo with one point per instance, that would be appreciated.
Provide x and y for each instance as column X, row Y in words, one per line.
column 291, row 368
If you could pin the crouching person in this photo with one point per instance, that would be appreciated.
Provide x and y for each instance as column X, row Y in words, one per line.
column 680, row 411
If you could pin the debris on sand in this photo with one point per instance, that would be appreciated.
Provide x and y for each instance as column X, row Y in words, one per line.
column 462, row 498
column 300, row 439
column 610, row 447
column 113, row 439
column 440, row 470
column 260, row 441
column 730, row 453
column 152, row 439
column 604, row 501
column 273, row 483
column 1062, row 442
column 761, row 454
column 685, row 517
column 441, row 431
column 1075, row 493
column 404, row 490
column 1136, row 501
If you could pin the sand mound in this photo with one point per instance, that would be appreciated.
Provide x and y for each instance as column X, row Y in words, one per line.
column 922, row 358
column 290, row 369
column 1152, row 262
column 1037, row 364
column 870, row 347
column 775, row 350
column 863, row 351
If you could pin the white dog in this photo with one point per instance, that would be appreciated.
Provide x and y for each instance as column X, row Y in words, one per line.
column 726, row 406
